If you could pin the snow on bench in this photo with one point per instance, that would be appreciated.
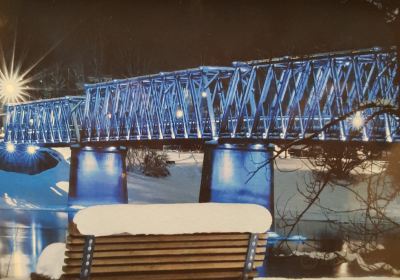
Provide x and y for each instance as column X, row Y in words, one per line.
column 187, row 218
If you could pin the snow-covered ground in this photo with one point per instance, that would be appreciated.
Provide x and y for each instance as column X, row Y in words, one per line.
column 49, row 189
column 46, row 190
column 183, row 185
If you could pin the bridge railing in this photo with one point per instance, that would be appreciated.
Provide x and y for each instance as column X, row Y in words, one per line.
column 51, row 121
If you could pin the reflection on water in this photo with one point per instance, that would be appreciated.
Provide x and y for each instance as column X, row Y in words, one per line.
column 23, row 236
column 343, row 270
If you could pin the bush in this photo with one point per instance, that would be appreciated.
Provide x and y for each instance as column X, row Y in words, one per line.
column 149, row 162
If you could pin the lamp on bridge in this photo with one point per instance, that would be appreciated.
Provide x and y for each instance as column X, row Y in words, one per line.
column 179, row 113
column 358, row 120
column 12, row 90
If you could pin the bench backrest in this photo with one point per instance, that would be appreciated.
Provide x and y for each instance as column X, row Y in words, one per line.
column 186, row 256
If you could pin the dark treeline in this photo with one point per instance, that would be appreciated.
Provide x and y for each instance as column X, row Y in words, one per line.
column 104, row 39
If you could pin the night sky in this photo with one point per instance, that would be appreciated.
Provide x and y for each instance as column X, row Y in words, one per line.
column 128, row 38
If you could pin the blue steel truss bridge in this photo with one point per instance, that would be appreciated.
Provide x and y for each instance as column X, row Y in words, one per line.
column 279, row 99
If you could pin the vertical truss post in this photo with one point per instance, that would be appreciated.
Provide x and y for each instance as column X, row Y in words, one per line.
column 243, row 104
column 210, row 107
column 75, row 121
column 232, row 91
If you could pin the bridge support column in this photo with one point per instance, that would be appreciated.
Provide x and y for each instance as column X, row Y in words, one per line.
column 228, row 174
column 97, row 176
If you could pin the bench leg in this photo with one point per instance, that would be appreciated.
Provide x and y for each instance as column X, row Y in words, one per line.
column 87, row 257
column 251, row 253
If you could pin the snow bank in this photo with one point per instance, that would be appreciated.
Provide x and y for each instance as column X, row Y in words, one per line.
column 51, row 261
column 172, row 219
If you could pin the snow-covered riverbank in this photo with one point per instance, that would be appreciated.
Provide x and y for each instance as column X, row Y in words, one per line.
column 49, row 189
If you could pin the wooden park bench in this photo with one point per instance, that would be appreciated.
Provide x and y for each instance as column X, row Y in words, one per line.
column 187, row 256
column 227, row 255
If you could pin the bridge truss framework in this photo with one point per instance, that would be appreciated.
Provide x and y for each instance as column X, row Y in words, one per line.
column 276, row 99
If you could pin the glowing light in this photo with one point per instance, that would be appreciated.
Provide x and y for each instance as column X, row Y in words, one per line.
column 204, row 94
column 179, row 113
column 89, row 162
column 14, row 80
column 22, row 267
column 31, row 149
column 10, row 147
column 109, row 115
column 297, row 238
column 110, row 164
column 264, row 135
column 358, row 120
column 273, row 235
column 227, row 169
column 12, row 88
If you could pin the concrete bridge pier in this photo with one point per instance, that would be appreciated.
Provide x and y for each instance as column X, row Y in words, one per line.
column 229, row 174
column 97, row 176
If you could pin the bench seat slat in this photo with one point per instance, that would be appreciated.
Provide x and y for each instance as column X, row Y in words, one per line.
column 193, row 251
column 159, row 267
column 165, row 245
column 185, row 275
column 162, row 259
column 163, row 238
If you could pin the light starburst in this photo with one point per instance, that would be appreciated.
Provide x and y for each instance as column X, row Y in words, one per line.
column 13, row 84
column 358, row 120
column 13, row 80
column 13, row 87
